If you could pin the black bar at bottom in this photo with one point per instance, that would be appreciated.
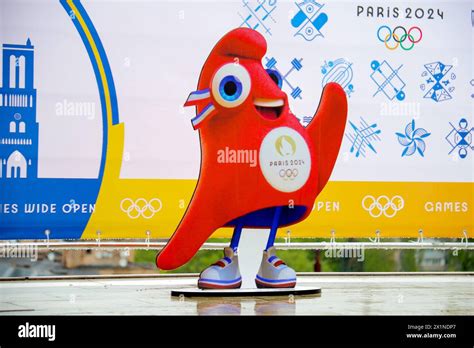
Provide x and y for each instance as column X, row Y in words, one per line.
column 375, row 330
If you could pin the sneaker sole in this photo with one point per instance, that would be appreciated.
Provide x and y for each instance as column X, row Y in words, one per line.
column 262, row 285
column 208, row 285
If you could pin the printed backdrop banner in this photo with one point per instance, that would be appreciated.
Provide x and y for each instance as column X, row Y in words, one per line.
column 94, row 136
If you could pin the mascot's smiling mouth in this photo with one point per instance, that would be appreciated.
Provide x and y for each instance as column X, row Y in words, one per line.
column 269, row 108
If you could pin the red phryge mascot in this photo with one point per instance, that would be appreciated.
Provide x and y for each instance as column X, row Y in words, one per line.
column 240, row 107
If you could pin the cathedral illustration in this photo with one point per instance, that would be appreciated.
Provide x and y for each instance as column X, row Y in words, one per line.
column 18, row 126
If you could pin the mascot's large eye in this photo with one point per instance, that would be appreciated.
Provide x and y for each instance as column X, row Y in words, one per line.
column 231, row 85
column 275, row 76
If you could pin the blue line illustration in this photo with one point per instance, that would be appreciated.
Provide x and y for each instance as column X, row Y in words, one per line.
column 340, row 71
column 388, row 80
column 362, row 137
column 460, row 138
column 309, row 20
column 257, row 17
column 295, row 65
column 438, row 80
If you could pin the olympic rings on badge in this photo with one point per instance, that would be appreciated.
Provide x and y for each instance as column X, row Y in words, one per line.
column 382, row 205
column 141, row 207
column 290, row 174
column 399, row 36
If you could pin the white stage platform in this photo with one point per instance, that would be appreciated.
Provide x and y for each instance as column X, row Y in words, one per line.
column 342, row 294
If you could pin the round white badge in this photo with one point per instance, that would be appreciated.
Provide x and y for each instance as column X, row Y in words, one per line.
column 284, row 159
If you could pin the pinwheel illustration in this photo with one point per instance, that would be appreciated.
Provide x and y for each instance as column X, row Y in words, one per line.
column 413, row 140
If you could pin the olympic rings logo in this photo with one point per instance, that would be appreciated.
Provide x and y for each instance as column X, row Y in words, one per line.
column 140, row 207
column 288, row 174
column 399, row 37
column 383, row 205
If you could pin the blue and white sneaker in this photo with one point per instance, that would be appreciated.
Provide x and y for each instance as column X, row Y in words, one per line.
column 224, row 274
column 274, row 273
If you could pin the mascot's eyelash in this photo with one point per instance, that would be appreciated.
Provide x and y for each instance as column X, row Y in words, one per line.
column 200, row 97
column 208, row 110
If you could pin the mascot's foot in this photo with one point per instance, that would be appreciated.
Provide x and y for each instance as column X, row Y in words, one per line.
column 274, row 273
column 224, row 274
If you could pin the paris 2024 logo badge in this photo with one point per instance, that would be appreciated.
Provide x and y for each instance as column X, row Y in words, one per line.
column 284, row 159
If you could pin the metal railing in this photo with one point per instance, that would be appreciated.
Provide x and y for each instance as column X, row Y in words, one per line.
column 157, row 245
column 149, row 244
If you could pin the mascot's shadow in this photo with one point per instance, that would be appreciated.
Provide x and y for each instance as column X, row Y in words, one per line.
column 281, row 305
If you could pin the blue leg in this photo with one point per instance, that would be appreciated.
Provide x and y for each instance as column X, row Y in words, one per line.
column 234, row 243
column 273, row 231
